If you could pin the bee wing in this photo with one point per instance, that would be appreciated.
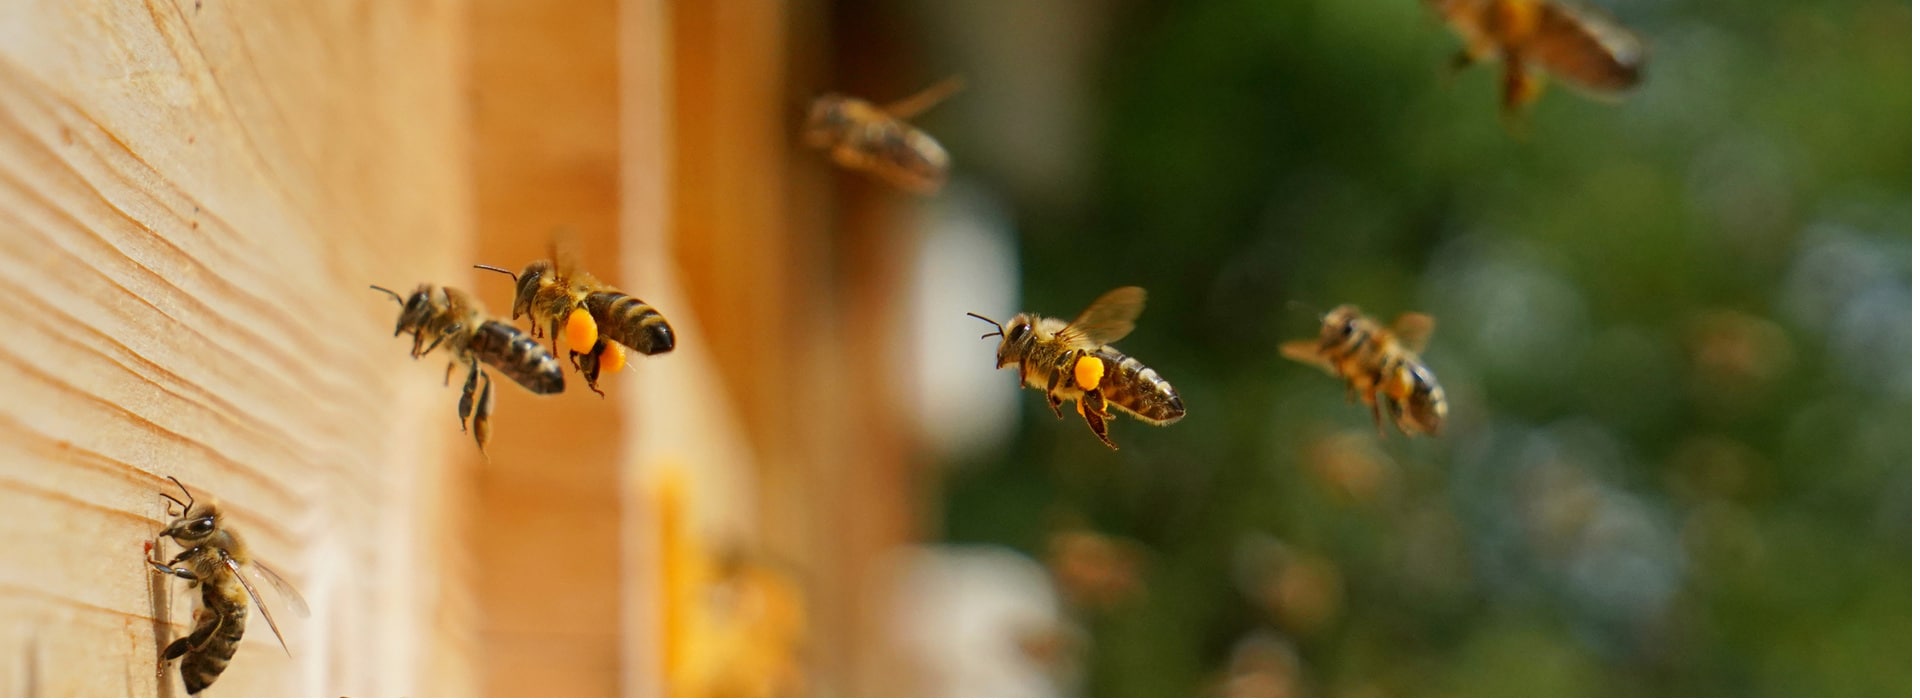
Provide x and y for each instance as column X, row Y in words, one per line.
column 255, row 595
column 1586, row 49
column 564, row 249
column 1108, row 319
column 1306, row 351
column 287, row 592
column 1414, row 329
column 912, row 105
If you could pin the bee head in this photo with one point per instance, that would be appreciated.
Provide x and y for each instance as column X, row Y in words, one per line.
column 1015, row 337
column 826, row 120
column 196, row 521
column 537, row 274
column 1339, row 325
column 415, row 308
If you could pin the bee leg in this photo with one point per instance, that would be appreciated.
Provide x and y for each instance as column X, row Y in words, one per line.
column 181, row 572
column 444, row 334
column 483, row 415
column 1519, row 89
column 1374, row 406
column 589, row 365
column 1053, row 399
column 1093, row 408
column 466, row 393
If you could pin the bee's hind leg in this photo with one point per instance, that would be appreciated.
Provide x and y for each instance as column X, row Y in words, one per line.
column 1093, row 407
column 466, row 392
column 483, row 414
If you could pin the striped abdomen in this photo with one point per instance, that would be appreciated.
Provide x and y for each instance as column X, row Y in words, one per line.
column 900, row 154
column 631, row 322
column 517, row 355
column 1136, row 389
column 218, row 624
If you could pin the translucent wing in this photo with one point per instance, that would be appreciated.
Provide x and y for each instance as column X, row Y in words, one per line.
column 912, row 105
column 286, row 590
column 1306, row 351
column 255, row 595
column 1414, row 329
column 1586, row 49
column 564, row 248
column 1108, row 319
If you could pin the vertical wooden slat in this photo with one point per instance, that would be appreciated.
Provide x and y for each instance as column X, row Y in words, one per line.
column 546, row 145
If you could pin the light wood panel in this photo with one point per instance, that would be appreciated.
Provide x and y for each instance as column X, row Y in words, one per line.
column 193, row 198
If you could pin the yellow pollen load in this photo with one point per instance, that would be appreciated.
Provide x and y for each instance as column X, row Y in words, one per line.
column 613, row 358
column 1088, row 371
column 581, row 331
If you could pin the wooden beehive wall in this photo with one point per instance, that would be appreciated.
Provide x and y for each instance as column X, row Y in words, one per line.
column 193, row 200
column 194, row 196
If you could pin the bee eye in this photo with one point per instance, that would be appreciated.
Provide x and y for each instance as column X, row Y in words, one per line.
column 201, row 526
column 1346, row 328
column 1018, row 332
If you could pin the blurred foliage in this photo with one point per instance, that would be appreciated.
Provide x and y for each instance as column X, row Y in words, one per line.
column 1675, row 332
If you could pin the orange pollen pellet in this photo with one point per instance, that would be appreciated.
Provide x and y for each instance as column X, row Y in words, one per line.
column 581, row 331
column 612, row 358
column 1088, row 371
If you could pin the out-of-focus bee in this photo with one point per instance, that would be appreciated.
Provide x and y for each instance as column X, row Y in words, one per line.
column 562, row 299
column 1374, row 360
column 1576, row 44
column 1073, row 362
column 212, row 558
column 451, row 318
column 877, row 139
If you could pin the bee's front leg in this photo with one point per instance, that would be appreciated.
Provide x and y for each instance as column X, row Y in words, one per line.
column 181, row 572
column 1053, row 399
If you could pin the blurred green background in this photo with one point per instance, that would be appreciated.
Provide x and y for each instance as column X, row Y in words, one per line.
column 1673, row 329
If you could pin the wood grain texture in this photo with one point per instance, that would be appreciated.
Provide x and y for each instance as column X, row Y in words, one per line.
column 193, row 198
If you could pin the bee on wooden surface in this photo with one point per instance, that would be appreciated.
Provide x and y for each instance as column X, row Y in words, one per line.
column 877, row 140
column 596, row 319
column 214, row 560
column 1573, row 43
column 1072, row 362
column 444, row 316
column 1374, row 361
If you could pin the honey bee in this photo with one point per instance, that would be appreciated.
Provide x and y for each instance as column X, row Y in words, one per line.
column 562, row 299
column 1576, row 44
column 1375, row 360
column 452, row 318
column 877, row 139
column 1072, row 362
column 212, row 558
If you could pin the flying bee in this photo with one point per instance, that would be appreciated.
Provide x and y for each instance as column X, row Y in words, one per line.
column 212, row 558
column 1072, row 362
column 1375, row 360
column 595, row 318
column 451, row 318
column 877, row 139
column 1575, row 44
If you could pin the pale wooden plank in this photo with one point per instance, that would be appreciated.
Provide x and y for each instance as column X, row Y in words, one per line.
column 192, row 201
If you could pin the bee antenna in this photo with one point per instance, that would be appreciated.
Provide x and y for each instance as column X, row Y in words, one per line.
column 184, row 507
column 396, row 298
column 997, row 328
column 508, row 273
